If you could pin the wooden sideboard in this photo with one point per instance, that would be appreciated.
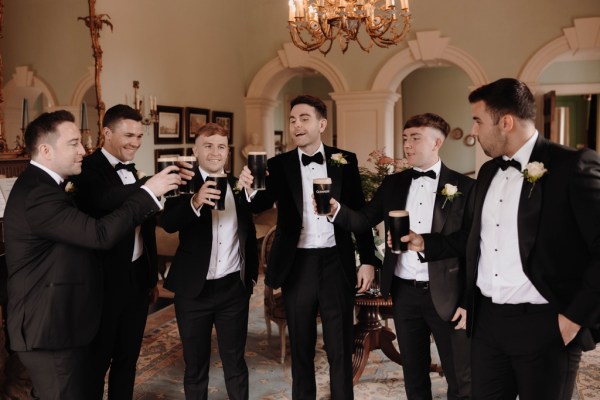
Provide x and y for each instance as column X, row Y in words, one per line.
column 13, row 166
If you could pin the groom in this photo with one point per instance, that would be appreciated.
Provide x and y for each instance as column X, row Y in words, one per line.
column 533, row 252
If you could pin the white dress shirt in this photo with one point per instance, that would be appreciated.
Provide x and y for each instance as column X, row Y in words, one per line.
column 127, row 178
column 419, row 204
column 317, row 232
column 225, row 251
column 500, row 274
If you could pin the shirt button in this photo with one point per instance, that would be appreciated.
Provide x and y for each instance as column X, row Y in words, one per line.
column 420, row 204
column 497, row 224
column 495, row 274
column 495, row 249
column 500, row 200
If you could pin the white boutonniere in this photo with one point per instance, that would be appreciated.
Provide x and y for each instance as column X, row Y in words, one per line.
column 533, row 172
column 450, row 192
column 338, row 159
column 70, row 187
column 140, row 174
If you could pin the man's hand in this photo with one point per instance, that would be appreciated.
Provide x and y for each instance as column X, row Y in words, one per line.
column 568, row 329
column 334, row 205
column 164, row 181
column 364, row 277
column 460, row 317
column 206, row 195
column 415, row 241
column 185, row 172
column 246, row 179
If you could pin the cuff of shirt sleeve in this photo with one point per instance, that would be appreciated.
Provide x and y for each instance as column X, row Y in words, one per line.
column 153, row 196
column 250, row 197
column 332, row 218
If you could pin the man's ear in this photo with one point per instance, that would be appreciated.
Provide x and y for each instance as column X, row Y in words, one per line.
column 507, row 122
column 45, row 151
column 322, row 125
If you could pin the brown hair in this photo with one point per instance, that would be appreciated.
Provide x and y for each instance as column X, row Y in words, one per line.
column 430, row 120
column 44, row 128
column 210, row 129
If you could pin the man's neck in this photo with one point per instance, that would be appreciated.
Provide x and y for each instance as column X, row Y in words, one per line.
column 310, row 149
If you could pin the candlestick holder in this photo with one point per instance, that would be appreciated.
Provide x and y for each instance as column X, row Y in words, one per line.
column 86, row 138
column 138, row 106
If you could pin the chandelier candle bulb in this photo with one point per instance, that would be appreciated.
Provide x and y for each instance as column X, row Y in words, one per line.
column 404, row 4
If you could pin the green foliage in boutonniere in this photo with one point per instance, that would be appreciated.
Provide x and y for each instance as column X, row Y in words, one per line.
column 337, row 160
column 533, row 172
column 450, row 192
column 237, row 187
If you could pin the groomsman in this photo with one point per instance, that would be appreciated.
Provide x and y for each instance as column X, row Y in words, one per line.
column 214, row 270
column 55, row 280
column 425, row 296
column 130, row 269
column 312, row 260
column 533, row 264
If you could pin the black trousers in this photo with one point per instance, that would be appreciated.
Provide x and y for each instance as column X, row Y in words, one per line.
column 415, row 319
column 317, row 284
column 58, row 374
column 517, row 349
column 223, row 303
column 118, row 342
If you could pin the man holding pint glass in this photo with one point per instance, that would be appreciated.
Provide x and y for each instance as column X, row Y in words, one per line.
column 430, row 198
column 214, row 269
column 311, row 259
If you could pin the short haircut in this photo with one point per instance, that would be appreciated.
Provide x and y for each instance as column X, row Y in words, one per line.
column 211, row 129
column 506, row 96
column 428, row 120
column 312, row 101
column 43, row 128
column 119, row 112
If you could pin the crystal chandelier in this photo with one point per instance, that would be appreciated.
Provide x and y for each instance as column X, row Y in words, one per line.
column 315, row 24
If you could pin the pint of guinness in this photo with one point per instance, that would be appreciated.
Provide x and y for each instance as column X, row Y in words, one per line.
column 257, row 163
column 221, row 185
column 190, row 187
column 322, row 194
column 399, row 226
column 164, row 162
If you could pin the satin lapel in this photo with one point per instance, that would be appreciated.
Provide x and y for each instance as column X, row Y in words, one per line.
column 441, row 210
column 484, row 179
column 335, row 172
column 530, row 205
column 400, row 193
column 294, row 181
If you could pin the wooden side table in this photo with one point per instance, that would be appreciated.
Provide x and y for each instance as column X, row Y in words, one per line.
column 370, row 334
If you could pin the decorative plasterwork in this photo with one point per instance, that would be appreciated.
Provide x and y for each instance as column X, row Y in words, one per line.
column 584, row 36
column 24, row 77
column 269, row 80
column 85, row 83
column 429, row 49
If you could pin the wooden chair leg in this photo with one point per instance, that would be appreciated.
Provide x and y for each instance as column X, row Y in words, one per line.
column 282, row 328
column 268, row 322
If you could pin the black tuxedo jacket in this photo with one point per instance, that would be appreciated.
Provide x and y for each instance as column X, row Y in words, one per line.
column 190, row 266
column 284, row 187
column 446, row 276
column 100, row 190
column 559, row 232
column 54, row 280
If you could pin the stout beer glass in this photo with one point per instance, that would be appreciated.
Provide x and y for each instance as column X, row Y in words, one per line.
column 164, row 162
column 322, row 194
column 399, row 226
column 190, row 188
column 257, row 163
column 221, row 185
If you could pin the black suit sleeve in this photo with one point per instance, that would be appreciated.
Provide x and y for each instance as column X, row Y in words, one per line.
column 179, row 214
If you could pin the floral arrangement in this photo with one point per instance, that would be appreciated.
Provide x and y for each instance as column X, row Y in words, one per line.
column 533, row 172
column 384, row 166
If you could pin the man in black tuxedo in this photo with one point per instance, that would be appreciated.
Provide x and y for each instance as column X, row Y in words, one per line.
column 54, row 279
column 533, row 258
column 425, row 296
column 130, row 269
column 214, row 270
column 312, row 260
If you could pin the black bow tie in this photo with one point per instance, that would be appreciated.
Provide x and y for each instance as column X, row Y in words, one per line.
column 317, row 158
column 504, row 164
column 417, row 174
column 129, row 167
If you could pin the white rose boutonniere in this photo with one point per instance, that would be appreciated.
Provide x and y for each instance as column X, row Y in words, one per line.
column 338, row 159
column 450, row 192
column 533, row 172
column 140, row 174
column 70, row 187
column 237, row 188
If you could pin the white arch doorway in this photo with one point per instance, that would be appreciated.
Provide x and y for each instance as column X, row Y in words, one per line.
column 261, row 99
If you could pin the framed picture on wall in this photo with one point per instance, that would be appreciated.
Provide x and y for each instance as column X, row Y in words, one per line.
column 177, row 151
column 278, row 142
column 169, row 128
column 225, row 119
column 194, row 119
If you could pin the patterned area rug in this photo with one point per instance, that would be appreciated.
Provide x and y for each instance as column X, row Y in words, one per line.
column 160, row 368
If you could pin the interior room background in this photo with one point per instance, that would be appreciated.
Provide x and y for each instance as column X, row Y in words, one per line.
column 236, row 56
